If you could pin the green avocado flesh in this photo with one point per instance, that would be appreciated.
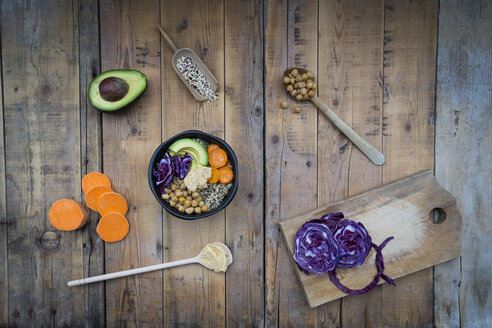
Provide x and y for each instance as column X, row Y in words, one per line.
column 115, row 89
column 192, row 147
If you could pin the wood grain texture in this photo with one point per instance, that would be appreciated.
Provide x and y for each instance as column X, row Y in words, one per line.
column 4, row 273
column 398, row 209
column 275, row 25
column 349, row 76
column 42, row 151
column 463, row 157
column 91, row 159
column 130, row 39
column 410, row 35
column 244, row 133
column 291, row 147
column 193, row 295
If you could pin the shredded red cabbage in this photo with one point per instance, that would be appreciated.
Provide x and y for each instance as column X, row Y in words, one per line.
column 350, row 239
column 170, row 167
column 314, row 248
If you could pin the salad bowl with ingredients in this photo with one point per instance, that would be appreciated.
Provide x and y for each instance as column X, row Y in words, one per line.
column 193, row 175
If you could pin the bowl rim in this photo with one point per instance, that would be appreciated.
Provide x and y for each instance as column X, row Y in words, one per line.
column 197, row 134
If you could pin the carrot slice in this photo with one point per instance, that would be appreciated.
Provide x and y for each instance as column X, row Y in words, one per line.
column 67, row 214
column 212, row 147
column 93, row 179
column 215, row 176
column 217, row 158
column 113, row 226
column 111, row 202
column 93, row 194
column 225, row 175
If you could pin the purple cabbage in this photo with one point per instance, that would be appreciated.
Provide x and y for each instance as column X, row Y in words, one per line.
column 323, row 244
column 170, row 167
column 354, row 241
column 314, row 248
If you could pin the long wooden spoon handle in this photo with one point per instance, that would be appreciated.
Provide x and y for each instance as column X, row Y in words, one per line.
column 168, row 39
column 131, row 272
column 365, row 147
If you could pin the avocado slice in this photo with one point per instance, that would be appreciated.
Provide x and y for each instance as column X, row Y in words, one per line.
column 192, row 147
column 115, row 89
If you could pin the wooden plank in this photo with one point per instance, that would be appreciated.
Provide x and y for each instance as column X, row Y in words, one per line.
column 290, row 148
column 193, row 295
column 410, row 35
column 129, row 39
column 399, row 209
column 4, row 274
column 93, row 312
column 244, row 132
column 42, row 151
column 463, row 163
column 351, row 48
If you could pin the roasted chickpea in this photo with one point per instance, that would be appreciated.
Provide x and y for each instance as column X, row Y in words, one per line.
column 185, row 193
column 168, row 191
column 289, row 88
column 199, row 198
column 299, row 97
column 174, row 199
column 294, row 72
column 178, row 193
column 189, row 210
column 283, row 105
column 293, row 93
column 301, row 85
column 188, row 197
column 181, row 199
column 172, row 204
column 314, row 86
column 304, row 76
column 201, row 203
column 198, row 210
column 165, row 196
column 187, row 203
column 174, row 187
column 303, row 91
column 204, row 208
column 195, row 195
column 310, row 75
column 298, row 78
column 183, row 187
column 286, row 80
column 292, row 80
column 311, row 93
column 181, row 209
column 194, row 203
column 297, row 109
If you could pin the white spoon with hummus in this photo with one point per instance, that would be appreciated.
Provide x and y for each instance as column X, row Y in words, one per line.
column 214, row 256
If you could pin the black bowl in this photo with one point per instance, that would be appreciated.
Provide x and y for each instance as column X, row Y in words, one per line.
column 159, row 154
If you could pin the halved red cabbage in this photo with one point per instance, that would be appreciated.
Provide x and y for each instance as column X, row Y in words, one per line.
column 314, row 248
column 170, row 167
column 351, row 241
column 354, row 241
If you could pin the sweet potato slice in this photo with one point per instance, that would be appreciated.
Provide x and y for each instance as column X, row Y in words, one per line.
column 93, row 179
column 113, row 226
column 67, row 214
column 93, row 194
column 111, row 202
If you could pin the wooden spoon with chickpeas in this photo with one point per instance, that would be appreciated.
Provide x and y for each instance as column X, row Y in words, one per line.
column 300, row 84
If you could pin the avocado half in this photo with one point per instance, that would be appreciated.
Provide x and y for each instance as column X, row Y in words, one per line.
column 193, row 148
column 115, row 89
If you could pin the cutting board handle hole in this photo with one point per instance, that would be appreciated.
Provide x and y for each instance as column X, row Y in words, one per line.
column 437, row 215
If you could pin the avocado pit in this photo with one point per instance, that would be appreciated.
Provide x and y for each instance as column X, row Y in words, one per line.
column 113, row 88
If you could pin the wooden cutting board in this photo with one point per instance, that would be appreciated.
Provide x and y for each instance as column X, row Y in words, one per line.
column 402, row 209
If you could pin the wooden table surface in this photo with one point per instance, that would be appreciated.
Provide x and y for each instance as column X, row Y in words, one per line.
column 412, row 77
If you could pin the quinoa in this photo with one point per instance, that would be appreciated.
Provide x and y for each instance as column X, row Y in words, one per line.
column 195, row 78
column 215, row 193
